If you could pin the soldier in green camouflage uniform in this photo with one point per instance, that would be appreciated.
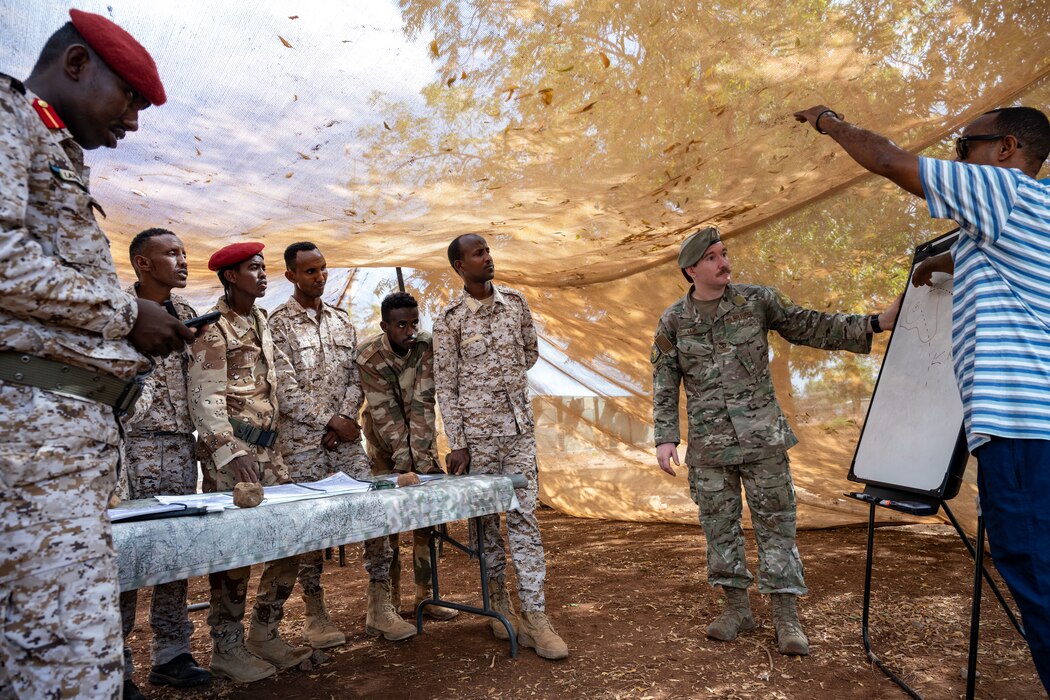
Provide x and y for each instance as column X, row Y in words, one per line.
column 484, row 344
column 397, row 375
column 320, row 398
column 159, row 459
column 66, row 327
column 714, row 341
column 233, row 403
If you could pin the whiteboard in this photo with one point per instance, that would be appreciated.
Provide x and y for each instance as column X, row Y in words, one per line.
column 912, row 436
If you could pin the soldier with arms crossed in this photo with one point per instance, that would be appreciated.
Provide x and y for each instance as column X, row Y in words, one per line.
column 714, row 341
column 71, row 344
column 397, row 375
column 320, row 397
column 233, row 403
column 484, row 344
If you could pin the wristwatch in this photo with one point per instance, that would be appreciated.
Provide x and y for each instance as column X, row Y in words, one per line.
column 875, row 327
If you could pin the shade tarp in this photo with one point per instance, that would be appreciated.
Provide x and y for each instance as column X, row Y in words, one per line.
column 584, row 139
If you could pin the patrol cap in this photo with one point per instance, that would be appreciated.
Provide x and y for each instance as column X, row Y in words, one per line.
column 122, row 53
column 693, row 247
column 233, row 254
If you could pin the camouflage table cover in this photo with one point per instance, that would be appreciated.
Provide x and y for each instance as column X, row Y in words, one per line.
column 155, row 551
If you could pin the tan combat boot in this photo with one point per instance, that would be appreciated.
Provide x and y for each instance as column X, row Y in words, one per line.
column 537, row 633
column 735, row 618
column 230, row 659
column 423, row 593
column 790, row 637
column 264, row 640
column 319, row 631
column 381, row 618
column 500, row 602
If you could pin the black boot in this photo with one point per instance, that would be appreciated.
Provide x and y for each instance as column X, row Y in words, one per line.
column 181, row 672
column 132, row 692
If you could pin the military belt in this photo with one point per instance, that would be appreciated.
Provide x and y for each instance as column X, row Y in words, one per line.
column 252, row 434
column 61, row 378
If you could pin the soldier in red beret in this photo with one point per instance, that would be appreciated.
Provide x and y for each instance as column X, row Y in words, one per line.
column 232, row 382
column 72, row 343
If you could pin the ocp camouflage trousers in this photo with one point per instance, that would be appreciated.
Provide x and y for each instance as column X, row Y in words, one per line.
column 513, row 455
column 771, row 500
column 155, row 465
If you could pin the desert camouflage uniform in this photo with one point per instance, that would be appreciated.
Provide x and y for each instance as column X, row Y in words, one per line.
column 232, row 374
column 59, row 299
column 317, row 379
column 398, row 424
column 737, row 432
column 482, row 352
column 159, row 459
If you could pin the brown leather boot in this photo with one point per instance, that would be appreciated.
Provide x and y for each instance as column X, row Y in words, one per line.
column 319, row 631
column 500, row 602
column 790, row 637
column 536, row 632
column 381, row 618
column 735, row 618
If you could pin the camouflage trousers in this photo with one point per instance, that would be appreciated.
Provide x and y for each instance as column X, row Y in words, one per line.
column 513, row 455
column 311, row 465
column 771, row 499
column 155, row 465
column 383, row 463
column 230, row 588
column 59, row 621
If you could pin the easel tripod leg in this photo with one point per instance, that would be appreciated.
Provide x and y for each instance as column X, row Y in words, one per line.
column 867, row 604
column 975, row 611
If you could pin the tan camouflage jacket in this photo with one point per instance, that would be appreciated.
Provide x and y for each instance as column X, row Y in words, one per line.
column 398, row 420
column 59, row 293
column 318, row 379
column 733, row 412
column 481, row 358
column 163, row 406
column 232, row 373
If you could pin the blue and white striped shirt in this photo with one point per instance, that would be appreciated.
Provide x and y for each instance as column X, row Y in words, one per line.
column 1001, row 305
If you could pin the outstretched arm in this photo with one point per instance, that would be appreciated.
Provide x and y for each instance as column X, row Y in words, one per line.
column 873, row 152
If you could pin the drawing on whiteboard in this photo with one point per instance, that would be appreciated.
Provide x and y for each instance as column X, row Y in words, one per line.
column 911, row 432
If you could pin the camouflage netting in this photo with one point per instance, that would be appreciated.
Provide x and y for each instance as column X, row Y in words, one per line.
column 583, row 139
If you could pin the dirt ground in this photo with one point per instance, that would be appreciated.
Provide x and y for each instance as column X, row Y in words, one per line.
column 631, row 601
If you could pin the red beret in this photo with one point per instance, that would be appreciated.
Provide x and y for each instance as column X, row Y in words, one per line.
column 233, row 254
column 122, row 54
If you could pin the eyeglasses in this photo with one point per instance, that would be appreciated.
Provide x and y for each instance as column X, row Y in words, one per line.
column 962, row 144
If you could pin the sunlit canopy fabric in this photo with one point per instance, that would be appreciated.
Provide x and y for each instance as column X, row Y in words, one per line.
column 584, row 139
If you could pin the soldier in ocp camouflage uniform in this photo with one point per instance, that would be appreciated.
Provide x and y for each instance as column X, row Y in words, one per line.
column 233, row 403
column 484, row 344
column 320, row 398
column 714, row 340
column 397, row 375
column 159, row 459
column 70, row 344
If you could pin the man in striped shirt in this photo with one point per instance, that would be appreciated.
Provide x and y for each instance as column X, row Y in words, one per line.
column 1000, row 324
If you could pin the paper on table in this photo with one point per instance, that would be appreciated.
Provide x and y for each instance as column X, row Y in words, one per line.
column 335, row 484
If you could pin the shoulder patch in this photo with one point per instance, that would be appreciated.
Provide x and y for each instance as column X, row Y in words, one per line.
column 663, row 343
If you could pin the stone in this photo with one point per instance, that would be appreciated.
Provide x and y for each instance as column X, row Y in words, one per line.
column 247, row 495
